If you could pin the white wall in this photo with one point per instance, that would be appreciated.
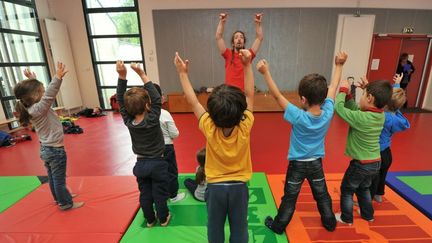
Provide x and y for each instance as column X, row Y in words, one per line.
column 71, row 13
column 427, row 103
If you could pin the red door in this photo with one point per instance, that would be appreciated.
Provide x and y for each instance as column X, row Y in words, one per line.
column 418, row 48
column 385, row 50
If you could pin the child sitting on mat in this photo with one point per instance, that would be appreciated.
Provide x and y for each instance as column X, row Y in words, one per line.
column 310, row 124
column 34, row 105
column 140, row 108
column 226, row 126
column 394, row 122
column 198, row 186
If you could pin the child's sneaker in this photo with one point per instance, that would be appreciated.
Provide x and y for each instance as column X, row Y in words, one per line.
column 149, row 225
column 339, row 219
column 269, row 223
column 378, row 198
column 166, row 221
column 179, row 197
column 71, row 206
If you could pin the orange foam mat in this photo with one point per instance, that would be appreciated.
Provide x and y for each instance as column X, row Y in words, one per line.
column 111, row 202
column 396, row 221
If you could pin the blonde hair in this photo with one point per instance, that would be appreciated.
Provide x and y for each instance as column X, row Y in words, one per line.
column 136, row 100
column 27, row 93
column 398, row 99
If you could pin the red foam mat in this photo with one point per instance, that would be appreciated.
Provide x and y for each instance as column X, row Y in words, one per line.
column 110, row 205
column 62, row 237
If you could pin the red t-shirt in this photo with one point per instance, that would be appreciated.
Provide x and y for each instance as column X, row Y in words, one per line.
column 234, row 74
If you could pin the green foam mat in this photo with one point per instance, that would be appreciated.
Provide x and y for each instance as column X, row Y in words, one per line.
column 189, row 218
column 419, row 183
column 14, row 188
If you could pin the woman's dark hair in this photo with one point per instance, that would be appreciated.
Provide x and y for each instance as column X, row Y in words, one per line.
column 27, row 93
column 200, row 174
column 403, row 56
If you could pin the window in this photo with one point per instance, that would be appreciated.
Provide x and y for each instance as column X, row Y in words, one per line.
column 114, row 33
column 21, row 47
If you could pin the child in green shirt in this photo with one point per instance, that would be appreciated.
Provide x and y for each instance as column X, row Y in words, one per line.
column 366, row 122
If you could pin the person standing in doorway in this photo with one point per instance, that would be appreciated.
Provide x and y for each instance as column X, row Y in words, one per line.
column 406, row 68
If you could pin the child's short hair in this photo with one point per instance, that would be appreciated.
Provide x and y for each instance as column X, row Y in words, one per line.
column 314, row 88
column 201, row 155
column 136, row 100
column 398, row 99
column 226, row 105
column 382, row 91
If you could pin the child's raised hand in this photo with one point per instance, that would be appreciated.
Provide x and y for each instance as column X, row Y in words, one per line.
column 245, row 56
column 397, row 78
column 121, row 69
column 61, row 70
column 258, row 17
column 341, row 58
column 345, row 84
column 363, row 82
column 140, row 71
column 181, row 66
column 137, row 68
column 29, row 74
column 223, row 17
column 262, row 66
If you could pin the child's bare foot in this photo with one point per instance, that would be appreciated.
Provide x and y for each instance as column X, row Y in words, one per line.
column 167, row 221
column 73, row 195
column 339, row 219
column 71, row 206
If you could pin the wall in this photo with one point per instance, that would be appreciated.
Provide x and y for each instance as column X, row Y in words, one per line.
column 71, row 13
column 427, row 103
column 297, row 41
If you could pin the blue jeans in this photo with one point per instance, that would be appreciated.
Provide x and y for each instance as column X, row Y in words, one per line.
column 358, row 179
column 151, row 175
column 227, row 198
column 297, row 172
column 170, row 157
column 55, row 163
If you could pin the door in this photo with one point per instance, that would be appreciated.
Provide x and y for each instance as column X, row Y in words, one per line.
column 354, row 35
column 384, row 58
column 417, row 50
column 61, row 52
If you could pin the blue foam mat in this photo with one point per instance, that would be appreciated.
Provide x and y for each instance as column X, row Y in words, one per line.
column 422, row 202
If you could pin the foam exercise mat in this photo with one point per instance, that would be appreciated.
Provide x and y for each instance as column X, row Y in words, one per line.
column 111, row 203
column 395, row 219
column 189, row 218
column 13, row 188
column 415, row 187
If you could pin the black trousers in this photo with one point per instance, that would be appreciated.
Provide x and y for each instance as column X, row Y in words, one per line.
column 151, row 175
column 378, row 182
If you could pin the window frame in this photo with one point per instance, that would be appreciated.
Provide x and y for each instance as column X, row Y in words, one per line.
column 91, row 37
column 3, row 65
